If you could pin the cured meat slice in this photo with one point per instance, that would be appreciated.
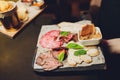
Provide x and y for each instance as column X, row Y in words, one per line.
column 56, row 51
column 41, row 58
column 47, row 61
column 51, row 64
column 67, row 38
column 49, row 40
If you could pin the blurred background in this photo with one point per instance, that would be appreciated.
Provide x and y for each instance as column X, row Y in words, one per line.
column 71, row 10
column 74, row 10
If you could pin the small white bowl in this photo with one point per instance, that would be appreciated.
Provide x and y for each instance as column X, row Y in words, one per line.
column 92, row 41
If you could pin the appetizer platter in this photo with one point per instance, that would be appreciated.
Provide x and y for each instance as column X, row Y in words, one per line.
column 25, row 12
column 69, row 47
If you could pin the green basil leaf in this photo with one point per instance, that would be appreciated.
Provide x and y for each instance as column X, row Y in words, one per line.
column 64, row 33
column 74, row 46
column 80, row 52
column 61, row 56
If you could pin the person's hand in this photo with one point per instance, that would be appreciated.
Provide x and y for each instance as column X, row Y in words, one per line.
column 114, row 45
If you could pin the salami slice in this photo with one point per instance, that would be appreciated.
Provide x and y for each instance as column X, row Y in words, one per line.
column 49, row 40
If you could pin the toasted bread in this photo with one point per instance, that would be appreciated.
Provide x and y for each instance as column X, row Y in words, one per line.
column 72, row 59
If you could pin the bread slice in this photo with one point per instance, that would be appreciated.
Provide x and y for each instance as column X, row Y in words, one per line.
column 93, row 52
column 72, row 59
column 87, row 59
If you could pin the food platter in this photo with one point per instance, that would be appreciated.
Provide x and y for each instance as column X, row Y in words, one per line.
column 97, row 62
column 32, row 13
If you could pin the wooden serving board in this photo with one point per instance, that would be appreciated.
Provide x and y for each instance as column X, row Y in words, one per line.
column 32, row 13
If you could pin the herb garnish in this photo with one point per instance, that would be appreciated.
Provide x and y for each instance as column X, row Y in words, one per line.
column 64, row 33
column 80, row 52
column 61, row 56
column 74, row 46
